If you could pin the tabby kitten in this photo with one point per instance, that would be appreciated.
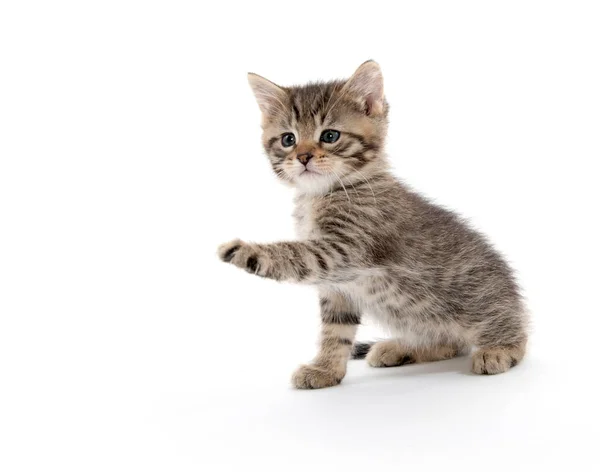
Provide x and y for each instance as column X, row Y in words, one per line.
column 371, row 245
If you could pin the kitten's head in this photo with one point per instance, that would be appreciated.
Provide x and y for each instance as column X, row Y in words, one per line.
column 318, row 134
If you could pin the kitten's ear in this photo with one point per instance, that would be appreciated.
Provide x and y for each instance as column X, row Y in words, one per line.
column 366, row 86
column 270, row 97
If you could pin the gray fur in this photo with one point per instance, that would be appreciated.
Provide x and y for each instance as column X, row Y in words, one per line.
column 370, row 244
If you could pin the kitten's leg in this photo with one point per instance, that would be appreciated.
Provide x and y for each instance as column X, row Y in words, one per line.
column 394, row 353
column 501, row 341
column 340, row 321
column 297, row 261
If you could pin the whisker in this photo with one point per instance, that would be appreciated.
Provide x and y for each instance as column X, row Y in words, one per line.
column 368, row 183
column 283, row 175
column 343, row 186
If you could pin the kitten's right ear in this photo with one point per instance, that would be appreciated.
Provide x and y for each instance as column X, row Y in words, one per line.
column 270, row 97
column 366, row 86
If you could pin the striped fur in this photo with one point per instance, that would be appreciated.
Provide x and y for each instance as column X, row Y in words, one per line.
column 372, row 246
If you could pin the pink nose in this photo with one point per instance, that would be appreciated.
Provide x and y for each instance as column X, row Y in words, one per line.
column 305, row 157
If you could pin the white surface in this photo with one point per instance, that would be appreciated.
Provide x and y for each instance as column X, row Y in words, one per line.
column 130, row 148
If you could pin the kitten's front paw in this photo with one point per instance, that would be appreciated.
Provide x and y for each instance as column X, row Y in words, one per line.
column 245, row 256
column 310, row 376
column 227, row 251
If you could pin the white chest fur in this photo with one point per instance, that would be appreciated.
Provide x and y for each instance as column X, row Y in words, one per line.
column 304, row 218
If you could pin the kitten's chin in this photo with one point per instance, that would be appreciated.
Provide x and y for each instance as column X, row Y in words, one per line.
column 312, row 183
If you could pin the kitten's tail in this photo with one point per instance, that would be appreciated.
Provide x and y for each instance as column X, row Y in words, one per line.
column 360, row 350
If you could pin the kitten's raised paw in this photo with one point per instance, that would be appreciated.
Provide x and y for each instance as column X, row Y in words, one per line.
column 227, row 251
column 495, row 361
column 310, row 377
column 388, row 354
column 245, row 256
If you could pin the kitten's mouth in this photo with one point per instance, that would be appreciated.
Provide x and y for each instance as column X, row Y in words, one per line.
column 309, row 172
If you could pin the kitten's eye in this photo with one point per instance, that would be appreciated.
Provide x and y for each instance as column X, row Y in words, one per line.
column 330, row 136
column 288, row 139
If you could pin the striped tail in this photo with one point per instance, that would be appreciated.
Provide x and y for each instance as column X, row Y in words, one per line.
column 360, row 350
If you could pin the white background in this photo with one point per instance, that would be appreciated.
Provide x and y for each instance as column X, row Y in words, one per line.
column 130, row 148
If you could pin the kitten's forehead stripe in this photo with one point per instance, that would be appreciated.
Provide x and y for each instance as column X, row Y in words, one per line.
column 310, row 101
column 296, row 111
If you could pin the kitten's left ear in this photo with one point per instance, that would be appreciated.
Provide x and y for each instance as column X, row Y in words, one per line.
column 366, row 86
column 270, row 97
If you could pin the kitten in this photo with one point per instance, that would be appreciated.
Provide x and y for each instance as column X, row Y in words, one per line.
column 370, row 245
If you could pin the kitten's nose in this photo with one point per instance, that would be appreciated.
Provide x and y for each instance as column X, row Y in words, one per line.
column 305, row 157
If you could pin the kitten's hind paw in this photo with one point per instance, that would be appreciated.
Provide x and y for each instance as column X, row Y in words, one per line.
column 496, row 360
column 388, row 354
column 311, row 376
